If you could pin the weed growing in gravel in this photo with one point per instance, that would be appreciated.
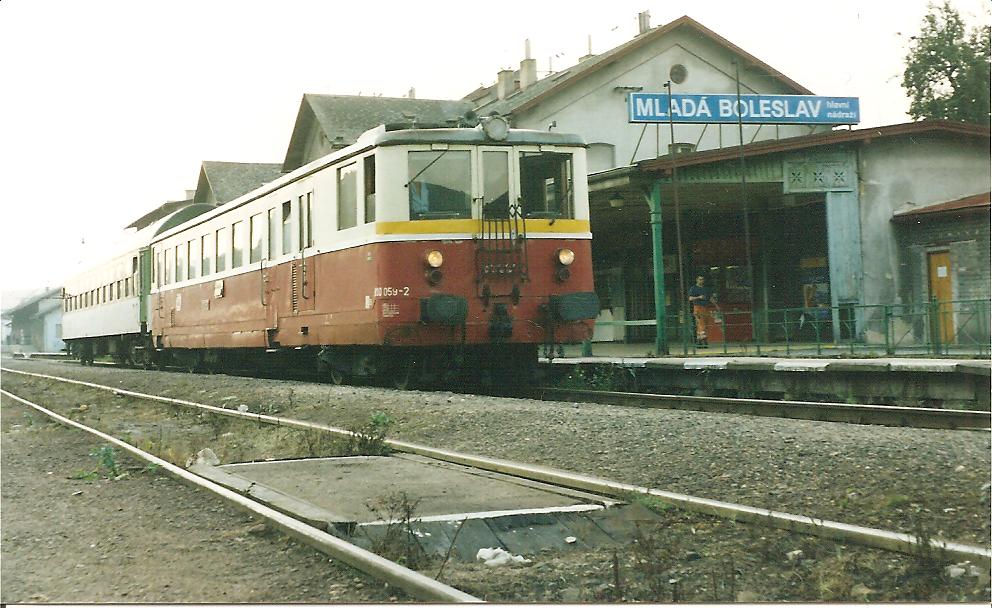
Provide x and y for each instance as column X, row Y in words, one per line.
column 107, row 459
column 398, row 541
column 369, row 440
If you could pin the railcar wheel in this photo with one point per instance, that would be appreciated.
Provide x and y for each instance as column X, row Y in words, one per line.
column 403, row 373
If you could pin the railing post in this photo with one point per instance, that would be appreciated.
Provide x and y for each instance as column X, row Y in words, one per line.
column 934, row 314
column 886, row 326
column 661, row 334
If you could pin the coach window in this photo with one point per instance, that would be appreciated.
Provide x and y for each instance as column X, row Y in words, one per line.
column 194, row 258
column 440, row 184
column 368, row 177
column 546, row 184
column 181, row 256
column 207, row 251
column 238, row 236
column 309, row 220
column 103, row 294
column 223, row 244
column 287, row 227
column 257, row 234
column 348, row 196
column 271, row 251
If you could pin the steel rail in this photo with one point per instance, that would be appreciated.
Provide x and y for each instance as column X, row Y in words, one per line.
column 887, row 415
column 872, row 537
column 414, row 583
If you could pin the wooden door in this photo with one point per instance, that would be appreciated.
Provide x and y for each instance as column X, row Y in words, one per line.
column 940, row 289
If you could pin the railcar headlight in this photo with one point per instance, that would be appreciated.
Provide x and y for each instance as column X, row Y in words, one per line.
column 496, row 128
column 435, row 259
column 566, row 257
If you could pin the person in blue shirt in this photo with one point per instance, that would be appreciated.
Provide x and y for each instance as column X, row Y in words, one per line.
column 701, row 299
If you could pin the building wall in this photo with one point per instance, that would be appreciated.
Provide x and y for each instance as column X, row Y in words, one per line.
column 924, row 169
column 597, row 110
column 52, row 331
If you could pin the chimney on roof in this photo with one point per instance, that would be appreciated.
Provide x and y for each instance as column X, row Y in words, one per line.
column 528, row 68
column 643, row 22
column 412, row 94
column 588, row 54
column 504, row 84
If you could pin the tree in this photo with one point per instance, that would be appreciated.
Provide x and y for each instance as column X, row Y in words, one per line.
column 947, row 68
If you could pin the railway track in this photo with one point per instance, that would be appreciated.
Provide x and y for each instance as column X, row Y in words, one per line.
column 833, row 530
column 887, row 415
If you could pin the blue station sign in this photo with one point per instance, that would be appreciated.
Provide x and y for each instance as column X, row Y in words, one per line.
column 752, row 109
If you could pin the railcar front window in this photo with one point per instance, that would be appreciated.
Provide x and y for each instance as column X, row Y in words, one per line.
column 546, row 184
column 440, row 184
column 496, row 184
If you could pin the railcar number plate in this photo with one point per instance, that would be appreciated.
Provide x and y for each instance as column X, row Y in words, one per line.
column 386, row 292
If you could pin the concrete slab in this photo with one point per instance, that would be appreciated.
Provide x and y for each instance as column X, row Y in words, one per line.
column 858, row 365
column 753, row 363
column 923, row 365
column 346, row 487
column 802, row 365
column 975, row 368
column 622, row 361
column 708, row 363
column 666, row 363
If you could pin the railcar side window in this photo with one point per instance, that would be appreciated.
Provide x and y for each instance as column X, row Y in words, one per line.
column 348, row 196
column 170, row 259
column 223, row 243
column 257, row 230
column 272, row 251
column 369, row 179
column 287, row 227
column 207, row 248
column 194, row 258
column 306, row 221
column 546, row 184
column 238, row 244
column 159, row 269
column 440, row 184
column 496, row 184
column 181, row 262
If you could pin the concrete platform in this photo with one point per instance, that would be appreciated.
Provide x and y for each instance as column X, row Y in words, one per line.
column 347, row 486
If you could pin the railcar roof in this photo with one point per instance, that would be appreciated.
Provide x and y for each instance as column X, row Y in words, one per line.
column 477, row 137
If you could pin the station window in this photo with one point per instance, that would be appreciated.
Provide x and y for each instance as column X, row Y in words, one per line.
column 546, row 184
column 181, row 256
column 257, row 235
column 207, row 251
column 223, row 244
column 440, row 184
column 103, row 294
column 368, row 173
column 271, row 250
column 348, row 196
column 194, row 258
column 238, row 236
column 287, row 227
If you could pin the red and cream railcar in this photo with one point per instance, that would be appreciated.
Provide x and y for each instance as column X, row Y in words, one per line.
column 410, row 252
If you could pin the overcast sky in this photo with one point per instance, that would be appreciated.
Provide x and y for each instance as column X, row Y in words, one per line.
column 108, row 108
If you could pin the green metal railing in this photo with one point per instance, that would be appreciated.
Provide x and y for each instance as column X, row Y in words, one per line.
column 959, row 327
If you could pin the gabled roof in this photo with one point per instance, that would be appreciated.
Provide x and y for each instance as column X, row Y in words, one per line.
column 535, row 93
column 221, row 182
column 342, row 118
column 975, row 204
column 33, row 301
column 826, row 138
